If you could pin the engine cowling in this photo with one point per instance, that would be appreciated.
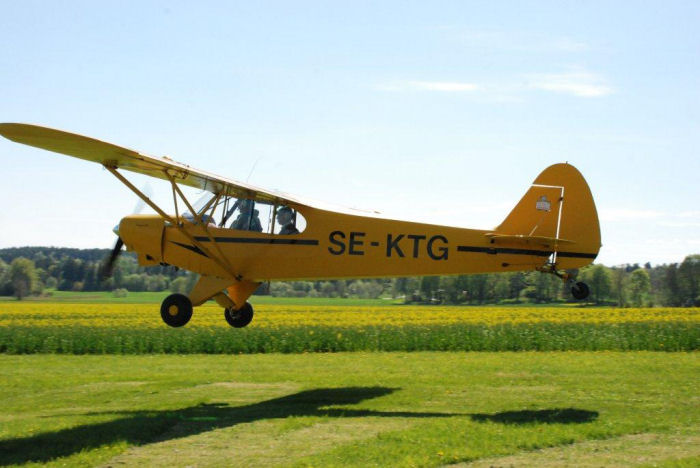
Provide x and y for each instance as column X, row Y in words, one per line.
column 143, row 234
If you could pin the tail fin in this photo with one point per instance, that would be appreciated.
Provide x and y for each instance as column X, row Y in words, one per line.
column 557, row 212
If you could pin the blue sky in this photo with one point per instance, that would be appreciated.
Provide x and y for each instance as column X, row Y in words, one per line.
column 439, row 112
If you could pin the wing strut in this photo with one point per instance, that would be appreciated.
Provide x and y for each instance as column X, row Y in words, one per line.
column 223, row 264
column 197, row 216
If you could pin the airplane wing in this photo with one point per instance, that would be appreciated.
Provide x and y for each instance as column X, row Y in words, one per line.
column 118, row 157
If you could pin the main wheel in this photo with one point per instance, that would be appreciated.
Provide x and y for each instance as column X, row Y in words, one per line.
column 241, row 317
column 176, row 310
column 580, row 291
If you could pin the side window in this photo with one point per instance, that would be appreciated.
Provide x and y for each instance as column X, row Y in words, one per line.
column 248, row 215
column 288, row 221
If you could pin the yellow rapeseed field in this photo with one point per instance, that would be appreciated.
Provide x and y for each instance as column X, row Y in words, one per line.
column 280, row 316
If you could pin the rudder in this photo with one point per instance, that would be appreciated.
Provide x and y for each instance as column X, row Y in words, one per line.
column 557, row 210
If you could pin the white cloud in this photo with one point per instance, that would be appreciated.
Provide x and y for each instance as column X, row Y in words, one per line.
column 577, row 83
column 670, row 219
column 623, row 214
column 683, row 225
column 443, row 86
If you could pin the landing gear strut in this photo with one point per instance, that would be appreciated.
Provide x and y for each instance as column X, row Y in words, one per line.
column 176, row 310
column 579, row 289
column 239, row 318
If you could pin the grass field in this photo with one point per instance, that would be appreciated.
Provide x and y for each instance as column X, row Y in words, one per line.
column 166, row 405
column 352, row 409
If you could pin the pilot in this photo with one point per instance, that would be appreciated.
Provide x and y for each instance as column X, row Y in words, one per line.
column 248, row 218
column 285, row 219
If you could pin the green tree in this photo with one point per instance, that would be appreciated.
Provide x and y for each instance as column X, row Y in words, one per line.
column 155, row 283
column 689, row 280
column 341, row 288
column 72, row 270
column 619, row 278
column 477, row 287
column 671, row 287
column 374, row 289
column 542, row 287
column 451, row 293
column 461, row 285
column 281, row 289
column 90, row 283
column 5, row 286
column 179, row 285
column 428, row 286
column 399, row 287
column 501, row 288
column 327, row 289
column 135, row 282
column 23, row 277
column 599, row 280
column 639, row 286
column 518, row 283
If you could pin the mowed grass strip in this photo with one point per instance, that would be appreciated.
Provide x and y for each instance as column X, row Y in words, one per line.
column 137, row 329
column 349, row 409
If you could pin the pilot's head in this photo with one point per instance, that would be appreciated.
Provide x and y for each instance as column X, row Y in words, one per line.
column 284, row 215
column 245, row 205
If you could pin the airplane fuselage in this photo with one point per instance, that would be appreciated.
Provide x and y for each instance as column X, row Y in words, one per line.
column 335, row 245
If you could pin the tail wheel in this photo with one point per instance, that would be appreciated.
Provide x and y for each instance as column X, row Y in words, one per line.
column 580, row 291
column 176, row 310
column 241, row 317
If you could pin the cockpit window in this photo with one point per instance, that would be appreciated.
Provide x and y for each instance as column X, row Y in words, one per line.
column 245, row 214
column 248, row 217
column 289, row 221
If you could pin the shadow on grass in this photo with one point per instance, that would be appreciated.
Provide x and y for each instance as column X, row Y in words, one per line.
column 547, row 416
column 143, row 427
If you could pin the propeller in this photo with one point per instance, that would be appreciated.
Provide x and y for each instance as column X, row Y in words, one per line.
column 108, row 267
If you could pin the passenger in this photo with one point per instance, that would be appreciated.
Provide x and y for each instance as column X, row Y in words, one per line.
column 285, row 219
column 208, row 220
column 248, row 219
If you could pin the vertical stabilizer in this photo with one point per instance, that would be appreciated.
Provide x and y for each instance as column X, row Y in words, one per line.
column 558, row 206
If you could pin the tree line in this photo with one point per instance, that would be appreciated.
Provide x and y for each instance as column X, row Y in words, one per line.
column 32, row 270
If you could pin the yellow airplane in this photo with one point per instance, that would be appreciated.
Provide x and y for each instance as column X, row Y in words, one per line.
column 242, row 235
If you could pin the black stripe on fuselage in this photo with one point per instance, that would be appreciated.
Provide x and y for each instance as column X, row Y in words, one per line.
column 193, row 248
column 512, row 251
column 576, row 255
column 252, row 240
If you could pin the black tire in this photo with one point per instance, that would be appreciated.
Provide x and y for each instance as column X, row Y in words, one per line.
column 580, row 291
column 241, row 317
column 176, row 310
